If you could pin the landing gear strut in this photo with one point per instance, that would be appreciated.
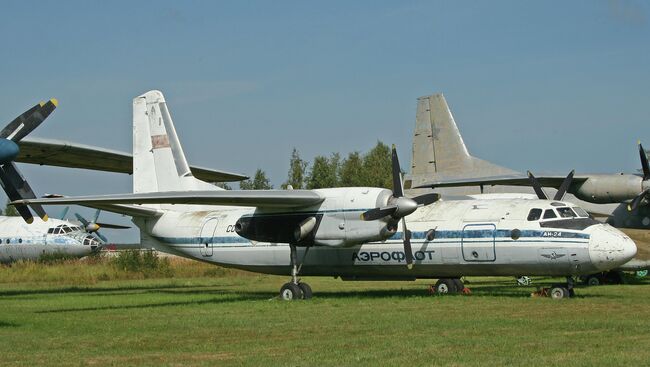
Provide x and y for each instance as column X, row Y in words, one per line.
column 295, row 289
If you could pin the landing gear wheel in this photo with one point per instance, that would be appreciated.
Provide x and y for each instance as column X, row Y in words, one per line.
column 445, row 285
column 592, row 280
column 559, row 292
column 305, row 289
column 290, row 291
column 459, row 285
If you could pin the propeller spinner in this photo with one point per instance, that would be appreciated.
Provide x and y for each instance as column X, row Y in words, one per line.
column 399, row 206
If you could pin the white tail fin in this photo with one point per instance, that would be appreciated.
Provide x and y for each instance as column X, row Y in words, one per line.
column 438, row 148
column 159, row 163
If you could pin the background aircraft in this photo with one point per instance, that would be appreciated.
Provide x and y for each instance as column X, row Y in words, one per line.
column 441, row 160
column 352, row 233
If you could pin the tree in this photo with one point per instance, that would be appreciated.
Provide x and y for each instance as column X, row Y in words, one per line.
column 223, row 185
column 377, row 167
column 10, row 211
column 324, row 172
column 259, row 182
column 297, row 172
column 351, row 170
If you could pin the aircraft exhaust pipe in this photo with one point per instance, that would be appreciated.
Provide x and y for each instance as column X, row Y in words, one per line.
column 304, row 229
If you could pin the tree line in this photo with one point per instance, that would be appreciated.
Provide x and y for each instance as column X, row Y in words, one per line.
column 371, row 169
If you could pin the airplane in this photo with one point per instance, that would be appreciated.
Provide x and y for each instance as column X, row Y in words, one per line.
column 353, row 233
column 440, row 160
column 22, row 241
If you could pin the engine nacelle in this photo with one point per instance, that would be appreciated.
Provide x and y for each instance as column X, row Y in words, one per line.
column 334, row 222
column 604, row 189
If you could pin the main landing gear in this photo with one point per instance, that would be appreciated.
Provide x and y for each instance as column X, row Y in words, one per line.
column 558, row 291
column 295, row 289
column 449, row 285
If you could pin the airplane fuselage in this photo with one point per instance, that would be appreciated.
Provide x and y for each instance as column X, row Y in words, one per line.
column 449, row 239
column 22, row 241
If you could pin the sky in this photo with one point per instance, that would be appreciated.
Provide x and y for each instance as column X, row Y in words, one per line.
column 547, row 86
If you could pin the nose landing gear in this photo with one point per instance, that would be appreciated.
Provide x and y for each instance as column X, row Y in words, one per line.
column 295, row 289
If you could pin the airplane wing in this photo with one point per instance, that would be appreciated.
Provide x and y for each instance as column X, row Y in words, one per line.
column 504, row 180
column 271, row 199
column 50, row 152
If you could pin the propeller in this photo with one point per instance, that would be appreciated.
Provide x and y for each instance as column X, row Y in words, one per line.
column 94, row 226
column 12, row 181
column 646, row 176
column 562, row 190
column 399, row 206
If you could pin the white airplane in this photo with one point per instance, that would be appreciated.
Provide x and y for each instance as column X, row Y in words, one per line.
column 351, row 233
column 22, row 241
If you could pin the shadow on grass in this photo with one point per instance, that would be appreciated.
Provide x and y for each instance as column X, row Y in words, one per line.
column 5, row 324
column 214, row 301
column 90, row 289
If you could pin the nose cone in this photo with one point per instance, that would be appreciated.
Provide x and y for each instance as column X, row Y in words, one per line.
column 8, row 151
column 610, row 248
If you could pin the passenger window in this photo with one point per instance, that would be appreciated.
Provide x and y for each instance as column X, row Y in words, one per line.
column 566, row 212
column 534, row 214
column 581, row 212
column 549, row 214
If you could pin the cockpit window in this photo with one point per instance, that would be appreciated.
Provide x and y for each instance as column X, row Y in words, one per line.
column 566, row 212
column 581, row 212
column 66, row 229
column 50, row 230
column 549, row 214
column 534, row 214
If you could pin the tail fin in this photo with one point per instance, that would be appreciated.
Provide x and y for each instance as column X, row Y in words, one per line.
column 159, row 163
column 438, row 148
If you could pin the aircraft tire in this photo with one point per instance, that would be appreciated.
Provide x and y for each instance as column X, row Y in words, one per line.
column 593, row 280
column 290, row 292
column 445, row 285
column 459, row 285
column 559, row 292
column 306, row 290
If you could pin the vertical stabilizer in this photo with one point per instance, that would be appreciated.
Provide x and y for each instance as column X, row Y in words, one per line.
column 159, row 163
column 438, row 148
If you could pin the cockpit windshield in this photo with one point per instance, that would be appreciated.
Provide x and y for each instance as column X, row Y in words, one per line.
column 61, row 229
column 566, row 212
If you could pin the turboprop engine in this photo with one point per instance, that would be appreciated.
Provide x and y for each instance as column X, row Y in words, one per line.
column 346, row 217
column 603, row 189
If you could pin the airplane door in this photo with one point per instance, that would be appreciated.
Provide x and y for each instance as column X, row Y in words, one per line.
column 207, row 236
column 478, row 242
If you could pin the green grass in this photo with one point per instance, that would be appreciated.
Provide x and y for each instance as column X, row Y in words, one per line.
column 233, row 318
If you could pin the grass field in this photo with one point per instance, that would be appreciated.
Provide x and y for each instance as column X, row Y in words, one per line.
column 76, row 313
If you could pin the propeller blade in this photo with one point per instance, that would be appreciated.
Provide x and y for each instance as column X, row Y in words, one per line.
column 398, row 189
column 64, row 213
column 14, row 179
column 378, row 213
column 637, row 200
column 644, row 163
column 112, row 226
column 426, row 199
column 13, row 194
column 13, row 125
column 564, row 186
column 406, row 237
column 101, row 237
column 81, row 219
column 96, row 215
column 33, row 121
column 537, row 187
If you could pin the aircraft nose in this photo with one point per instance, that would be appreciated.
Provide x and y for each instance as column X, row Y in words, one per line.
column 610, row 248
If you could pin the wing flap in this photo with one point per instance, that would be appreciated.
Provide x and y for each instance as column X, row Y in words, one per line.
column 249, row 198
column 505, row 180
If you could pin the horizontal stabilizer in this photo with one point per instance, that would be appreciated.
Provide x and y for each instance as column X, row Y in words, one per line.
column 250, row 198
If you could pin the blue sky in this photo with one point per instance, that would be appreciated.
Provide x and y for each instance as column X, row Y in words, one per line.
column 547, row 86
